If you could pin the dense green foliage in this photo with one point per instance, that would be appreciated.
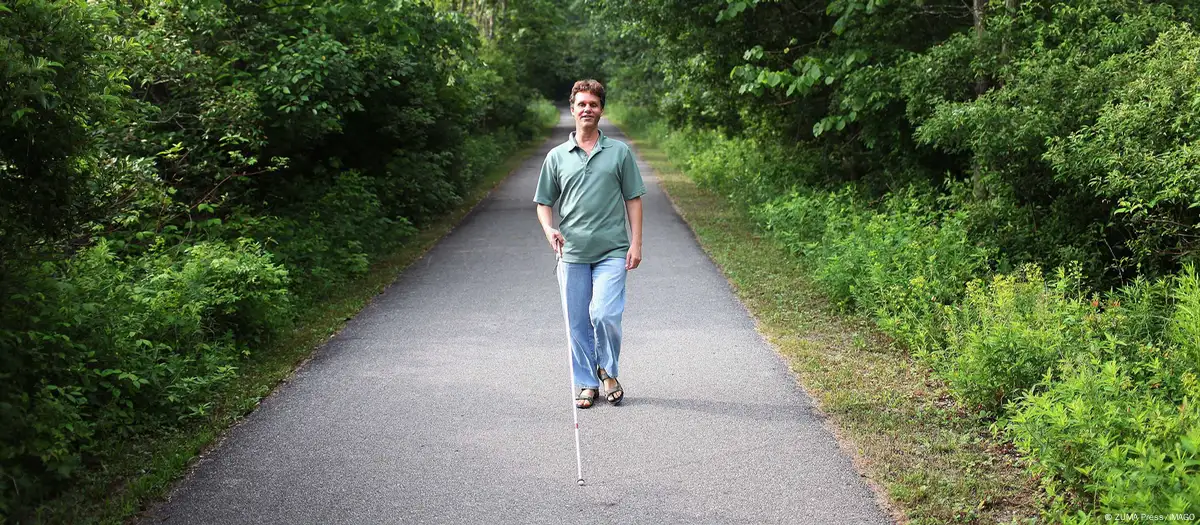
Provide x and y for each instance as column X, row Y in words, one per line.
column 180, row 179
column 539, row 41
column 1098, row 391
column 924, row 160
column 1045, row 108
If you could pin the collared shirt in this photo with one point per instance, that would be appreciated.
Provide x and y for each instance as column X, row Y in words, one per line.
column 591, row 192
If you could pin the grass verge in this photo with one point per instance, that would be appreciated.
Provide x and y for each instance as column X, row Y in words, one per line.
column 935, row 462
column 145, row 468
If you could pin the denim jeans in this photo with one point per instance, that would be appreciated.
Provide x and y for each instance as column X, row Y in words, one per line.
column 595, row 299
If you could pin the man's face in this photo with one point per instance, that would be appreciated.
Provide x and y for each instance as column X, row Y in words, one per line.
column 586, row 109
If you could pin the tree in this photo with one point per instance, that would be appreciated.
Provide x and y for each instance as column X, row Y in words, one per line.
column 55, row 82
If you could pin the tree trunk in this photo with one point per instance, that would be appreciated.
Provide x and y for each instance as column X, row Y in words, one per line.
column 981, row 85
column 977, row 12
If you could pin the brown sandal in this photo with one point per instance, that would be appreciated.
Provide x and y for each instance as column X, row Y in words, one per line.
column 617, row 394
column 582, row 400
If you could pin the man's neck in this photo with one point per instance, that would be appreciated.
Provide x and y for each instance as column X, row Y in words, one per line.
column 587, row 135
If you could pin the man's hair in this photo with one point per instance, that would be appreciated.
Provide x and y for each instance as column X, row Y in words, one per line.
column 587, row 86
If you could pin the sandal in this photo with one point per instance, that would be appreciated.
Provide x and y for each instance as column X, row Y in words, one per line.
column 582, row 400
column 617, row 394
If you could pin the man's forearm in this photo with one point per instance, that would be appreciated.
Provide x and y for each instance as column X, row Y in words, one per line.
column 634, row 207
column 545, row 216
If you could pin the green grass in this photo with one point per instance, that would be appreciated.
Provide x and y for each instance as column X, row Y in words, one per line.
column 146, row 467
column 934, row 461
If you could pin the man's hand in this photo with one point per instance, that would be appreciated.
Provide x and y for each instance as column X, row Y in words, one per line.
column 634, row 257
column 556, row 240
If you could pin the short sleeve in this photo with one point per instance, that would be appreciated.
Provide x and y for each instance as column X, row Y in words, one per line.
column 632, row 186
column 548, row 189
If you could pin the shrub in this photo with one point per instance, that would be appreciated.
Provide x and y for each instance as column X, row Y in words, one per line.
column 170, row 324
column 1008, row 332
column 1111, row 441
column 902, row 262
column 326, row 237
column 1184, row 329
column 747, row 170
column 802, row 220
column 111, row 346
column 543, row 114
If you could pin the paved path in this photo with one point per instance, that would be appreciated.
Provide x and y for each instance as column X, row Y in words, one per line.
column 447, row 401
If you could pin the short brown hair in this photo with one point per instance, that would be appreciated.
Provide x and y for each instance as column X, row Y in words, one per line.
column 587, row 86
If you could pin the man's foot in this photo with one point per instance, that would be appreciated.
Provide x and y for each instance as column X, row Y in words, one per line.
column 612, row 388
column 585, row 397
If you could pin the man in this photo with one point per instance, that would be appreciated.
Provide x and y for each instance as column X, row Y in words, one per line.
column 597, row 184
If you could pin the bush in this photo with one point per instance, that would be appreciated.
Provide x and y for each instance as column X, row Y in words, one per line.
column 802, row 220
column 1008, row 332
column 903, row 262
column 113, row 346
column 543, row 114
column 745, row 169
column 1112, row 441
column 327, row 237
column 1184, row 329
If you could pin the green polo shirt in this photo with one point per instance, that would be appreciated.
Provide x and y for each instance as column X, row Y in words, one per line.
column 591, row 192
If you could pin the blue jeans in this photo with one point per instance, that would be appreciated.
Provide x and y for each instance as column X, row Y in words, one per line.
column 595, row 301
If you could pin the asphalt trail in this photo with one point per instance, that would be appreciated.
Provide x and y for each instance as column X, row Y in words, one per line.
column 447, row 400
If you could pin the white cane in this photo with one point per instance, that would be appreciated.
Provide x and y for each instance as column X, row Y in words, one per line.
column 562, row 292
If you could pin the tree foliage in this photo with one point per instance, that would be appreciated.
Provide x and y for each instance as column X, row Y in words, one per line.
column 178, row 179
column 539, row 39
column 904, row 147
column 900, row 92
column 56, row 77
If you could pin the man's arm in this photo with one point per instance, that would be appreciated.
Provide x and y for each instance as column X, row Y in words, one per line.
column 634, row 257
column 554, row 237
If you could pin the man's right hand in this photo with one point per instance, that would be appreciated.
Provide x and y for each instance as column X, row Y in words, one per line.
column 556, row 240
